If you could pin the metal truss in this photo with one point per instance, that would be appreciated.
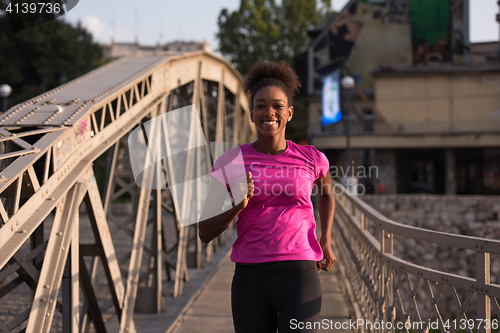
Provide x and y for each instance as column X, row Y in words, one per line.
column 383, row 288
column 53, row 200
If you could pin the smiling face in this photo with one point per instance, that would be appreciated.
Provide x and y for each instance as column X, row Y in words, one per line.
column 271, row 111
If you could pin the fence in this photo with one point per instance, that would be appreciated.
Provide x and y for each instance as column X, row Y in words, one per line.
column 389, row 294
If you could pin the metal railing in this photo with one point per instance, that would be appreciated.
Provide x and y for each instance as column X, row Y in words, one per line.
column 383, row 289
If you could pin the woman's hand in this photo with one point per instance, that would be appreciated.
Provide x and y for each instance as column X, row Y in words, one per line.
column 328, row 254
column 248, row 189
column 326, row 200
column 213, row 220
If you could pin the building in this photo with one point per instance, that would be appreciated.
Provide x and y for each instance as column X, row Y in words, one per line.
column 484, row 52
column 425, row 112
column 121, row 49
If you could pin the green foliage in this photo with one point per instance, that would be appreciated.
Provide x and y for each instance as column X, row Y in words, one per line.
column 24, row 14
column 43, row 57
column 266, row 30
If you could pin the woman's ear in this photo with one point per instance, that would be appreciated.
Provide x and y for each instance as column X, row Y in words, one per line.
column 290, row 113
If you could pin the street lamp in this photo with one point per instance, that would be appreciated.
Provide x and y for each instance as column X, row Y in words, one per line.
column 348, row 84
column 5, row 91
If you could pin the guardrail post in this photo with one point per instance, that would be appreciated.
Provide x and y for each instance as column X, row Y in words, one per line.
column 387, row 245
column 364, row 222
column 387, row 242
column 483, row 301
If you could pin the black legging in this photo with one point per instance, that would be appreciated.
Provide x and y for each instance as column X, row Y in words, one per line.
column 275, row 295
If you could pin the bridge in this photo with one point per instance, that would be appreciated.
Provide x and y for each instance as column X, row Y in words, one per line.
column 83, row 248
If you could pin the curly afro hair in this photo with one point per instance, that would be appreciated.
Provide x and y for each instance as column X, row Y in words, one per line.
column 267, row 73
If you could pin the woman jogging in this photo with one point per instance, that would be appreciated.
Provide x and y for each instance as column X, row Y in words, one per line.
column 277, row 254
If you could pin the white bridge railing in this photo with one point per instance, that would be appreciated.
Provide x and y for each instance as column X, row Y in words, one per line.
column 387, row 293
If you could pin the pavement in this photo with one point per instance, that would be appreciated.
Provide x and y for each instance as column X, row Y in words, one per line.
column 211, row 309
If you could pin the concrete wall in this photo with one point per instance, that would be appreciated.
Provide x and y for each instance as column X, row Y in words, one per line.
column 428, row 109
column 385, row 161
column 382, row 42
column 440, row 102
column 484, row 52
column 314, row 111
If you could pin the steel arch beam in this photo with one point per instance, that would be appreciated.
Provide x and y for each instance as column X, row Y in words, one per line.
column 49, row 145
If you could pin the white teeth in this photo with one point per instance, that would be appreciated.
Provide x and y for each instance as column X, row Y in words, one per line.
column 270, row 122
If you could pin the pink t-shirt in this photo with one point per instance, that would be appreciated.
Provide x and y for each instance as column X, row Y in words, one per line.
column 278, row 223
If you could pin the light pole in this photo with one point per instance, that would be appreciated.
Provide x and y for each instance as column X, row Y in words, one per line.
column 350, row 183
column 5, row 91
column 347, row 84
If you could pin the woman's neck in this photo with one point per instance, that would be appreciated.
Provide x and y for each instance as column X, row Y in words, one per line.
column 270, row 146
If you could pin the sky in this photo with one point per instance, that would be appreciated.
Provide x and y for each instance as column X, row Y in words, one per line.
column 164, row 21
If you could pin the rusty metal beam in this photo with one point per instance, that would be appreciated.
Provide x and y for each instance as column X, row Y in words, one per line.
column 49, row 282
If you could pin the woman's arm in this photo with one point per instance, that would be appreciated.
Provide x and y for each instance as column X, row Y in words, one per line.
column 326, row 200
column 212, row 221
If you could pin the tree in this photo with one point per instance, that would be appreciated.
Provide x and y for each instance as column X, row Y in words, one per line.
column 23, row 15
column 266, row 30
column 41, row 58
